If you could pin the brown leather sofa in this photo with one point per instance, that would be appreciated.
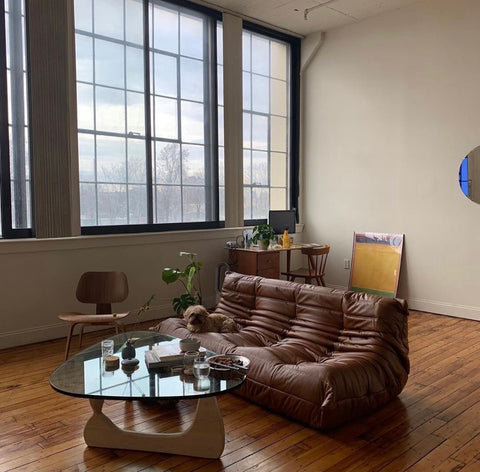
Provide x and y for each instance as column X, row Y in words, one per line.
column 318, row 355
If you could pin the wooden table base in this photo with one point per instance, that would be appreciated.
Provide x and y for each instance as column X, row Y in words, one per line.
column 204, row 438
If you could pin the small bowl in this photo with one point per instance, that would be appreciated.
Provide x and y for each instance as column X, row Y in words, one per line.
column 192, row 344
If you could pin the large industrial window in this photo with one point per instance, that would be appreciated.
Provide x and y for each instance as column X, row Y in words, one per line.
column 146, row 114
column 15, row 210
column 269, row 139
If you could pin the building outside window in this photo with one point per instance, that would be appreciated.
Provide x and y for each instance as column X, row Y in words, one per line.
column 15, row 211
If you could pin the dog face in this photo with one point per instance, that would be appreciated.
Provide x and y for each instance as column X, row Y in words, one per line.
column 195, row 315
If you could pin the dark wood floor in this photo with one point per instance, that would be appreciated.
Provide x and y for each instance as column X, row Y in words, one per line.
column 433, row 426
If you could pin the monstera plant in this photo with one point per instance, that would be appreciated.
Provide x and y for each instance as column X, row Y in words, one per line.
column 189, row 277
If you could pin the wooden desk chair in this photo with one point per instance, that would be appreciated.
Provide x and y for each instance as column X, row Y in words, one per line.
column 317, row 260
column 103, row 289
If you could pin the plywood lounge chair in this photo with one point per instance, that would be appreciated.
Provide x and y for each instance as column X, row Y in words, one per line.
column 102, row 289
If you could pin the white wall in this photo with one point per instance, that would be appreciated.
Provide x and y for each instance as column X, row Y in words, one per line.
column 38, row 277
column 391, row 108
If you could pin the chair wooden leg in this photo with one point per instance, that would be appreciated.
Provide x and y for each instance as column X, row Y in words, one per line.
column 80, row 339
column 69, row 338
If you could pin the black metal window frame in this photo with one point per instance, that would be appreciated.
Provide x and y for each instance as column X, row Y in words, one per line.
column 9, row 231
column 211, row 141
column 294, row 128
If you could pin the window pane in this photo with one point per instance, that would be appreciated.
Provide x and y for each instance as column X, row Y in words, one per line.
column 278, row 170
column 247, row 203
column 191, row 74
column 135, row 70
column 165, row 75
column 278, row 97
column 86, row 157
column 247, row 91
column 165, row 29
column 109, row 64
column 168, row 204
column 83, row 15
column 193, row 204
column 278, row 198
column 247, row 167
column 137, row 204
column 193, row 164
column 83, row 46
column 133, row 19
column 260, row 93
column 278, row 60
column 260, row 203
column 165, row 117
column 192, row 122
column 137, row 161
column 259, row 132
column 260, row 55
column 85, row 106
column 88, row 209
column 167, row 163
column 221, row 166
column 112, row 204
column 135, row 114
column 108, row 18
column 246, row 51
column 279, row 134
column 220, row 85
column 191, row 36
column 111, row 159
column 110, row 110
column 247, row 130
column 259, row 168
column 221, row 127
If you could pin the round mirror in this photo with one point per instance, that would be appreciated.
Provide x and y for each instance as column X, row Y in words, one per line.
column 469, row 175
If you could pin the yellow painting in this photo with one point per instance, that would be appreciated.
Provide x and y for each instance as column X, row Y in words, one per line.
column 376, row 263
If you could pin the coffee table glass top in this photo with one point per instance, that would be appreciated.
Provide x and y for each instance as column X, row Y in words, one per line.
column 84, row 375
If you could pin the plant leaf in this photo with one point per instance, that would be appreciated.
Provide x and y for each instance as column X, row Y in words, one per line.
column 170, row 275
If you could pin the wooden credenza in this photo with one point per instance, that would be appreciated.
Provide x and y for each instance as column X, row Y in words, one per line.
column 255, row 262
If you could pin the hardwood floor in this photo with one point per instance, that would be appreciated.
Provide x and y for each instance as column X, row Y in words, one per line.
column 433, row 426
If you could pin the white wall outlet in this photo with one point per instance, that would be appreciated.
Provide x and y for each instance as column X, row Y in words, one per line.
column 346, row 263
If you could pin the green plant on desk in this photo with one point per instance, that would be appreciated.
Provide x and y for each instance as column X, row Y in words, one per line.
column 262, row 235
column 189, row 277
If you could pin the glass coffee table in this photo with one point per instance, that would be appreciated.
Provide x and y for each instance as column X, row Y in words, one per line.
column 84, row 376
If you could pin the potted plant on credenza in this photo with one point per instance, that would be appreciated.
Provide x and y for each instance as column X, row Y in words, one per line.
column 262, row 235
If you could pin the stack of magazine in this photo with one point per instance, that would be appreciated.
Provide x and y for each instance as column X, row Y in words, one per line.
column 166, row 354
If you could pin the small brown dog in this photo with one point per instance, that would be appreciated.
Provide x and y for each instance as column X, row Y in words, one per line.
column 200, row 321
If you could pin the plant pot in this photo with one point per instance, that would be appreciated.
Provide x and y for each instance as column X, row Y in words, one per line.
column 263, row 244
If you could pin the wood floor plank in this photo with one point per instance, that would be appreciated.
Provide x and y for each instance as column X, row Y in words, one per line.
column 434, row 425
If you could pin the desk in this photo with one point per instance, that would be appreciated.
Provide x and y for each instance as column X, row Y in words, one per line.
column 254, row 261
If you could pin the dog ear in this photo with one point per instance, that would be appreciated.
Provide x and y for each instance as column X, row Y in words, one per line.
column 187, row 313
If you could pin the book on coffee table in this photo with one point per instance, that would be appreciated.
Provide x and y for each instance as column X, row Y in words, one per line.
column 166, row 354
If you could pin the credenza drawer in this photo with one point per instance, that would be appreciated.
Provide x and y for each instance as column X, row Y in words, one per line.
column 267, row 261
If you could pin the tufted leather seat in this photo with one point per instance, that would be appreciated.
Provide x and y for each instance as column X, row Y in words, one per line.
column 318, row 355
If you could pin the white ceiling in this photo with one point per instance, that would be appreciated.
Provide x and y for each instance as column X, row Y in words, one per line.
column 321, row 15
